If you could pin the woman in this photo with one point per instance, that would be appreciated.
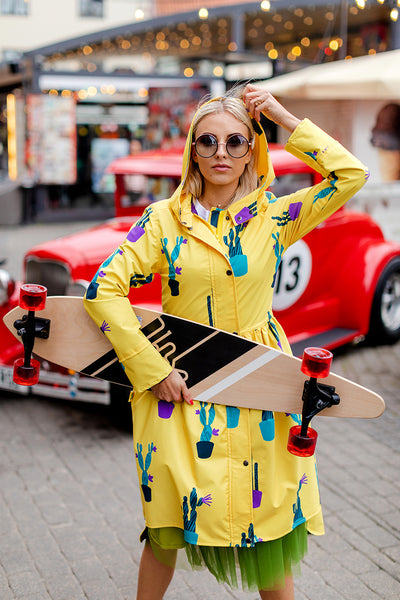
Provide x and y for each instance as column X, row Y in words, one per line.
column 243, row 507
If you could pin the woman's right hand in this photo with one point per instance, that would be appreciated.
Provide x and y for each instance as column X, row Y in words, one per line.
column 172, row 389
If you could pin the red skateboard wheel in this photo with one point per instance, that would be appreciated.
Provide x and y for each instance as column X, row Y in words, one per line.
column 316, row 362
column 32, row 296
column 302, row 445
column 26, row 375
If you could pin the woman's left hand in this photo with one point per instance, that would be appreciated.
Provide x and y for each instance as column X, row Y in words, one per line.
column 259, row 100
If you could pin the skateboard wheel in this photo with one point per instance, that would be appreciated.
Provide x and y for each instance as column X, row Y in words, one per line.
column 26, row 375
column 316, row 362
column 32, row 296
column 301, row 445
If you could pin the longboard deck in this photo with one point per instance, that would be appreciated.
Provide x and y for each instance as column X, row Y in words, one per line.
column 217, row 366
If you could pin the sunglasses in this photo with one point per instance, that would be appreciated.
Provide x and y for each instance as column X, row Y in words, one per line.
column 237, row 145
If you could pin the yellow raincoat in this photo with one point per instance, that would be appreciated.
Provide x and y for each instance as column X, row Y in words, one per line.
column 220, row 273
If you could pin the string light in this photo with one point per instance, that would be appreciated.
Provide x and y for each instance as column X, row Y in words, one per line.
column 213, row 35
column 218, row 71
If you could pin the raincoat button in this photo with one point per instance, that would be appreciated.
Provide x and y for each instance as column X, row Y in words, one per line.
column 246, row 463
column 227, row 217
column 229, row 272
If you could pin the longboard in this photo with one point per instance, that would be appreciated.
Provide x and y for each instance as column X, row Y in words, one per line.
column 218, row 367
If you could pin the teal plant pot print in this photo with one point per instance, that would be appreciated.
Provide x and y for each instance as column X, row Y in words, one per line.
column 165, row 409
column 239, row 264
column 189, row 520
column 191, row 537
column 204, row 449
column 267, row 426
column 232, row 416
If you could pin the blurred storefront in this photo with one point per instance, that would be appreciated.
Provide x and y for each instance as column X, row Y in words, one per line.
column 142, row 81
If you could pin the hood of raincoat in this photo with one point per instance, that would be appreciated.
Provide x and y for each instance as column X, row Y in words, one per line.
column 265, row 170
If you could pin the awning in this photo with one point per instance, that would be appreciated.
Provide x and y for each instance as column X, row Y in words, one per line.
column 373, row 77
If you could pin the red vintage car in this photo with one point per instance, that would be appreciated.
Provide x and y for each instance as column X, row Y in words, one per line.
column 340, row 283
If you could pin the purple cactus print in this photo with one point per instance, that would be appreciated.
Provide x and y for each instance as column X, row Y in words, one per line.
column 135, row 234
column 294, row 210
column 138, row 229
column 105, row 327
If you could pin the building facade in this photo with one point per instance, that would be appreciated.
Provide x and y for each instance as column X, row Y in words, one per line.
column 115, row 65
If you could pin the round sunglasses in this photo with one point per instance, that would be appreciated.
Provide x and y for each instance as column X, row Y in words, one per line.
column 237, row 145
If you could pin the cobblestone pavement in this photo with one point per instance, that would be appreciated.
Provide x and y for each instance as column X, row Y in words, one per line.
column 70, row 511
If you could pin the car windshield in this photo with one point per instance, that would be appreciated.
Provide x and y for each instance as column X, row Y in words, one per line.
column 143, row 190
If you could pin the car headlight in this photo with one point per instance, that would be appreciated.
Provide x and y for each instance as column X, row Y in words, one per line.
column 77, row 288
column 7, row 286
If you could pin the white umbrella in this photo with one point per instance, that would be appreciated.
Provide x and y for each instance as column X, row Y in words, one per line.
column 375, row 76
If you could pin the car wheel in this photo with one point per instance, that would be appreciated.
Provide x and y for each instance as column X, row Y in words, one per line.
column 385, row 313
column 120, row 407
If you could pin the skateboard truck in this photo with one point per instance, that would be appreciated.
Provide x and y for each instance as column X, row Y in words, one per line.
column 32, row 297
column 316, row 397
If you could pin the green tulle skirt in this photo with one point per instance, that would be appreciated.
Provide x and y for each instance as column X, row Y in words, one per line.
column 264, row 566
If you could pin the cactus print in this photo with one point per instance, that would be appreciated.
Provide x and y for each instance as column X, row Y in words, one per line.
column 144, row 466
column 327, row 192
column 236, row 257
column 91, row 293
column 189, row 523
column 298, row 517
column 289, row 215
column 138, row 229
column 171, row 259
column 278, row 250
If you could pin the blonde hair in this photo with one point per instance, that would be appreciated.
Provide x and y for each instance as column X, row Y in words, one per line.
column 248, row 181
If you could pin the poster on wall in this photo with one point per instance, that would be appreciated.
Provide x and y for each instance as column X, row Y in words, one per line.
column 51, row 139
column 170, row 113
column 103, row 151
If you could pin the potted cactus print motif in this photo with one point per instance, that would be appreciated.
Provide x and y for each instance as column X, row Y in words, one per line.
column 257, row 494
column 205, row 445
column 165, row 409
column 249, row 540
column 267, row 425
column 144, row 465
column 298, row 516
column 172, row 257
column 189, row 524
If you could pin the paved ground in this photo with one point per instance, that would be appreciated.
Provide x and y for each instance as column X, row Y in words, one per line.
column 70, row 511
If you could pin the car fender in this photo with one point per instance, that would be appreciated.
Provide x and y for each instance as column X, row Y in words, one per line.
column 10, row 348
column 359, row 277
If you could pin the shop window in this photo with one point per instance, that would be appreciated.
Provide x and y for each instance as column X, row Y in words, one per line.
column 14, row 7
column 91, row 8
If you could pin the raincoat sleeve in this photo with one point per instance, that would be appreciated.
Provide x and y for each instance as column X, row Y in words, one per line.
column 343, row 176
column 131, row 265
